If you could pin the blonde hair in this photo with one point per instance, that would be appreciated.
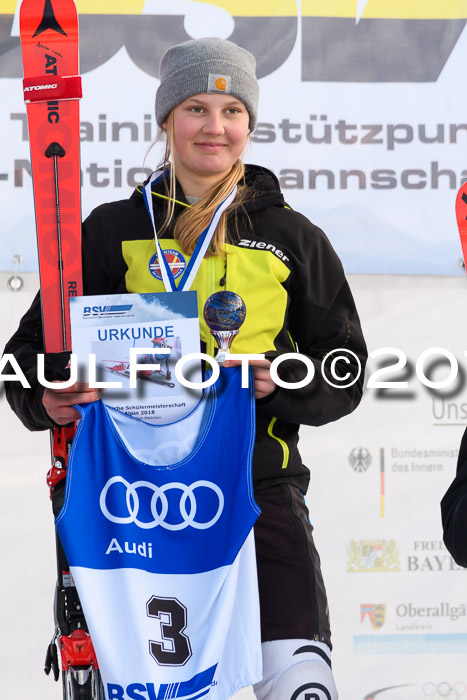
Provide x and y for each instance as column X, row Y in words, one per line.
column 192, row 222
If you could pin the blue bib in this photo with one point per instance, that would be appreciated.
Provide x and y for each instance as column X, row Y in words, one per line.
column 157, row 529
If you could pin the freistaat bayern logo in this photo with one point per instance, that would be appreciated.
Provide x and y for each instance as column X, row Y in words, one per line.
column 372, row 555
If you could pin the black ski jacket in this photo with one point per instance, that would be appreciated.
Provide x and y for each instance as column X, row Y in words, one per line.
column 454, row 510
column 296, row 296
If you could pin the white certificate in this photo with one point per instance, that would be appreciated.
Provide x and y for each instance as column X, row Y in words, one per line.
column 108, row 326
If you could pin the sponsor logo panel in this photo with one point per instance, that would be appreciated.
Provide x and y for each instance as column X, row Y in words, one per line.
column 381, row 555
column 360, row 459
column 373, row 615
column 365, row 556
column 412, row 616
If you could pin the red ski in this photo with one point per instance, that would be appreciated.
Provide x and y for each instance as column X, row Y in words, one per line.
column 461, row 215
column 52, row 88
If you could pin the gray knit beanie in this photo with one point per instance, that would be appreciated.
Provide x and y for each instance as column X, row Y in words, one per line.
column 206, row 66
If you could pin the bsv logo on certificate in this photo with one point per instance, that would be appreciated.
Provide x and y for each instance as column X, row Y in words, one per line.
column 131, row 343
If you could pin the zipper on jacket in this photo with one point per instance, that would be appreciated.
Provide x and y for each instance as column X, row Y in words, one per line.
column 283, row 444
column 292, row 341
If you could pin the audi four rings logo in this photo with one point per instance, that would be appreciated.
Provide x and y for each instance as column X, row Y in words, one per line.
column 159, row 504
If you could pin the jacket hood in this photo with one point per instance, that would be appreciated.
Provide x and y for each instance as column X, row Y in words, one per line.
column 267, row 191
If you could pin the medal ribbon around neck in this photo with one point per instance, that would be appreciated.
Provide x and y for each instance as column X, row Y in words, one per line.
column 201, row 246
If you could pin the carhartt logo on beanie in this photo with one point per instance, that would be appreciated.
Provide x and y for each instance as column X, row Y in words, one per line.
column 219, row 83
column 206, row 66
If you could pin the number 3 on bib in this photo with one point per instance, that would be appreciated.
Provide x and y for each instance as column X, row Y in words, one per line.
column 174, row 648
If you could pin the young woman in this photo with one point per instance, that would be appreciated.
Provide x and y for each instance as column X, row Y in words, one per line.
column 297, row 300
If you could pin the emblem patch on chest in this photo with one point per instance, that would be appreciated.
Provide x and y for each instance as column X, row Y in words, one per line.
column 177, row 264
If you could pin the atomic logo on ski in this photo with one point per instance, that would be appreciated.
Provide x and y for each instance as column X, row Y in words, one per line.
column 48, row 21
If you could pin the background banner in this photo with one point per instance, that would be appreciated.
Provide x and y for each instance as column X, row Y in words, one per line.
column 362, row 115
